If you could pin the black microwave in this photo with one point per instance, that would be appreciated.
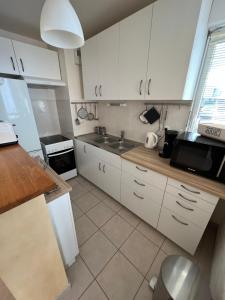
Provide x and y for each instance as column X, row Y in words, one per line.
column 199, row 155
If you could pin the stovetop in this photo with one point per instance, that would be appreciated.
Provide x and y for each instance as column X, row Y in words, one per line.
column 53, row 139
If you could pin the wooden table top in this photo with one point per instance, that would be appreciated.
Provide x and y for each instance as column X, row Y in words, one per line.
column 21, row 178
column 151, row 160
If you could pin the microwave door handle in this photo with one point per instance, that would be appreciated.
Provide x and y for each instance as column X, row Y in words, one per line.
column 57, row 154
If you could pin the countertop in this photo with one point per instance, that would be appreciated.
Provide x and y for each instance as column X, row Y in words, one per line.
column 151, row 160
column 21, row 178
column 62, row 187
column 91, row 138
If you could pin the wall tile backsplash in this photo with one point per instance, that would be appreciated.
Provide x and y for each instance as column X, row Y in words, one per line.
column 45, row 111
column 117, row 118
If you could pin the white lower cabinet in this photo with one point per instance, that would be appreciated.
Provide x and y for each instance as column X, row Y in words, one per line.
column 177, row 210
column 100, row 167
column 61, row 214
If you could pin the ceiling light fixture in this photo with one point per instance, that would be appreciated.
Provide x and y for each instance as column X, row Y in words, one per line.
column 60, row 25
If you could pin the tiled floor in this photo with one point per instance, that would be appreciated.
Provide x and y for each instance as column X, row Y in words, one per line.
column 119, row 253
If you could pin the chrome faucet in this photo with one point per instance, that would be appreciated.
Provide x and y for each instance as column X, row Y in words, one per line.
column 122, row 134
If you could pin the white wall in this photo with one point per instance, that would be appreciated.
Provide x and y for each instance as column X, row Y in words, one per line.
column 126, row 118
column 45, row 110
column 217, row 16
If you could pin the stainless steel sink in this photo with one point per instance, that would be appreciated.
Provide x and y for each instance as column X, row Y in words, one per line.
column 122, row 146
column 106, row 140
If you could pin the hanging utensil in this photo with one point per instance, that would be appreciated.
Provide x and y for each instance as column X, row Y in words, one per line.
column 90, row 114
column 77, row 121
column 82, row 113
column 96, row 118
column 142, row 117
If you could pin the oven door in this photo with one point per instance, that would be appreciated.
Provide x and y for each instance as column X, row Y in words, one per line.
column 62, row 161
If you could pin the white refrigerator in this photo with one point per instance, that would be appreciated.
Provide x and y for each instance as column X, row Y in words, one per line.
column 16, row 108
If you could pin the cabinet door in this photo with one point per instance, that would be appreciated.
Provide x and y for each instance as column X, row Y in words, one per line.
column 109, row 63
column 172, row 36
column 38, row 62
column 111, row 180
column 8, row 62
column 133, row 54
column 90, row 69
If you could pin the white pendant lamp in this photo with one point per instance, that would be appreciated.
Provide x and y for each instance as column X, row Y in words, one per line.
column 60, row 25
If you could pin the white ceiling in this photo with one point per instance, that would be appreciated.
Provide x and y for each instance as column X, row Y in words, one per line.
column 22, row 16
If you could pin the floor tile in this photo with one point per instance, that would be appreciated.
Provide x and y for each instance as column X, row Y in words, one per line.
column 113, row 204
column 117, row 230
column 80, row 278
column 100, row 214
column 97, row 251
column 77, row 212
column 85, row 228
column 85, row 183
column 131, row 218
column 150, row 233
column 77, row 191
column 99, row 194
column 119, row 279
column 86, row 202
column 171, row 248
column 94, row 292
column 140, row 251
column 145, row 293
column 155, row 267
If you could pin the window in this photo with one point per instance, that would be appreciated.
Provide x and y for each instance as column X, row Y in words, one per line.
column 209, row 103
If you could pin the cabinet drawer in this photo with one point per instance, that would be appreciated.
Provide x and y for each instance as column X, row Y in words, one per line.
column 145, row 208
column 186, row 210
column 180, row 230
column 145, row 174
column 193, row 191
column 190, row 198
column 143, row 189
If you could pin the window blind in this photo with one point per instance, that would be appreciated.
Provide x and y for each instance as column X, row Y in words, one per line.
column 209, row 104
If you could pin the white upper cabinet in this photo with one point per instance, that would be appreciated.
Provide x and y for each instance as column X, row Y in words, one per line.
column 8, row 63
column 90, row 69
column 100, row 65
column 157, row 56
column 37, row 62
column 174, row 26
column 133, row 54
column 108, row 42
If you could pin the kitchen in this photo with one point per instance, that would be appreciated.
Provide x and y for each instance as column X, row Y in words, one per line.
column 104, row 196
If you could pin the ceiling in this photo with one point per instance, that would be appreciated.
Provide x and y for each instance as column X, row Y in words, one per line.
column 23, row 16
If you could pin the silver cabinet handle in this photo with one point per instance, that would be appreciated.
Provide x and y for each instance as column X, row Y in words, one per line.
column 99, row 166
column 96, row 95
column 100, row 90
column 186, row 224
column 103, row 169
column 193, row 201
column 194, row 192
column 187, row 208
column 149, row 84
column 21, row 62
column 139, row 197
column 85, row 149
column 12, row 61
column 140, row 87
column 141, row 184
column 141, row 169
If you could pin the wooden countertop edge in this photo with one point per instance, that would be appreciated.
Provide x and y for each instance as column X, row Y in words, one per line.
column 64, row 187
column 177, row 174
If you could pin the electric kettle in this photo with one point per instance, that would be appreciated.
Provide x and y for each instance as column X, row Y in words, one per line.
column 151, row 140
